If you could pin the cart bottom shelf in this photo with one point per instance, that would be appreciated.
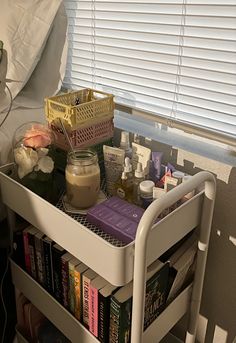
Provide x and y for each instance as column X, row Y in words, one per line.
column 73, row 329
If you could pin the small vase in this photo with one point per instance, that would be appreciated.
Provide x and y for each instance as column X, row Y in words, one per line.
column 34, row 160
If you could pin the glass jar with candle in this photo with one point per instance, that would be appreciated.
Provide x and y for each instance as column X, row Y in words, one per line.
column 82, row 178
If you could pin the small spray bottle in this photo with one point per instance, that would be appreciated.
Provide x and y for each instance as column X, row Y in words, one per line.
column 138, row 177
column 128, row 171
column 125, row 143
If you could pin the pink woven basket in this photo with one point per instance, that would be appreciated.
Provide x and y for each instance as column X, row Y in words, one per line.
column 84, row 136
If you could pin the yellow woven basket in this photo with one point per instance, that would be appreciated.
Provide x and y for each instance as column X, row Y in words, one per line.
column 80, row 107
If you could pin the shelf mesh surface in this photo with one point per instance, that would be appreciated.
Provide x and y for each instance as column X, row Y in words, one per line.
column 81, row 218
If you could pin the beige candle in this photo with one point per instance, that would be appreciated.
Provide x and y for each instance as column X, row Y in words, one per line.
column 82, row 180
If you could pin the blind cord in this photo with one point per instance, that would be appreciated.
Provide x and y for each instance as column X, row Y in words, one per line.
column 179, row 63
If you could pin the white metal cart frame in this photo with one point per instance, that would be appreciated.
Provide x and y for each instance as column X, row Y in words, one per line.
column 141, row 243
column 118, row 264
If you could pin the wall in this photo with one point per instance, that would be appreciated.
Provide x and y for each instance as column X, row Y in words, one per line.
column 218, row 309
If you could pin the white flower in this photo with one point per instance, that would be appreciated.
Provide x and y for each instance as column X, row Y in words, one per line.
column 45, row 164
column 26, row 159
column 42, row 152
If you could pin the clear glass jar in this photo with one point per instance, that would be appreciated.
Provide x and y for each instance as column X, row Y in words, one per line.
column 82, row 178
column 34, row 159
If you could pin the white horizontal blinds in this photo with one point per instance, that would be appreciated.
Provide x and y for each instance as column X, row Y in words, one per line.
column 132, row 49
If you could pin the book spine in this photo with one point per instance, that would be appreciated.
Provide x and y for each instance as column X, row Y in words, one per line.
column 85, row 292
column 40, row 259
column 32, row 255
column 114, row 321
column 77, row 294
column 48, row 266
column 56, row 267
column 156, row 293
column 26, row 251
column 93, row 311
column 120, row 321
column 103, row 318
column 65, row 282
column 71, row 288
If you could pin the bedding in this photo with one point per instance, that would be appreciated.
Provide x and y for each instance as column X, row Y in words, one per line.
column 25, row 27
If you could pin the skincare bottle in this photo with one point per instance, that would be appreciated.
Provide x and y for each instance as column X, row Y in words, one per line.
column 123, row 188
column 125, row 143
column 138, row 178
column 146, row 192
column 128, row 170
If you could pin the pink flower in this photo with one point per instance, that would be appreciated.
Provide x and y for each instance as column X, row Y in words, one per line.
column 38, row 136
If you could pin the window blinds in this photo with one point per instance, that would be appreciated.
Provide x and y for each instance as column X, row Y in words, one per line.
column 176, row 58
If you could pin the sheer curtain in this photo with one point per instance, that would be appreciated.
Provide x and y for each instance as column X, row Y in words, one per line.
column 175, row 58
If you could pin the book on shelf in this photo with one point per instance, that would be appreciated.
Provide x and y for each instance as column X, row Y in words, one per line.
column 47, row 251
column 38, row 241
column 65, row 258
column 71, row 292
column 57, row 252
column 175, row 251
column 32, row 253
column 182, row 270
column 104, row 297
column 87, row 277
column 78, row 272
column 95, row 285
column 155, row 299
column 26, row 249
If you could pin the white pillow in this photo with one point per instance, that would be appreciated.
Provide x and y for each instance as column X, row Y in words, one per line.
column 24, row 29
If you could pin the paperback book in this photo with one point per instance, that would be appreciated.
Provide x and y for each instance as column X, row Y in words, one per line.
column 155, row 299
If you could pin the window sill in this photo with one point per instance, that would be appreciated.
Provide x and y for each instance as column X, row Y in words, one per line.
column 175, row 138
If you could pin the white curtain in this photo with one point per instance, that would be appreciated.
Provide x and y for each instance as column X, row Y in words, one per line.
column 176, row 58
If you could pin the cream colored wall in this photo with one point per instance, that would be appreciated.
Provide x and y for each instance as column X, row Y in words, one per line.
column 218, row 310
column 217, row 322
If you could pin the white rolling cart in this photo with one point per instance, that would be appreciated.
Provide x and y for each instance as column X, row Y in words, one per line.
column 117, row 263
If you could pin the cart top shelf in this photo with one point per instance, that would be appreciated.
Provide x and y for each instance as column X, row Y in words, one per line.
column 107, row 256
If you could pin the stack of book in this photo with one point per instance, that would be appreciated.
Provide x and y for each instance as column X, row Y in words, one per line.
column 104, row 309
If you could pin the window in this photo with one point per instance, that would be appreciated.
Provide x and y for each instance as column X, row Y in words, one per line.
column 175, row 58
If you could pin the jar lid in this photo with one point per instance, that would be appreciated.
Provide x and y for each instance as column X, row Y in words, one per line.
column 146, row 186
column 178, row 174
column 82, row 157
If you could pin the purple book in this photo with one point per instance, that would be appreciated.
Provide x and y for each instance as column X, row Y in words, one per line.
column 123, row 224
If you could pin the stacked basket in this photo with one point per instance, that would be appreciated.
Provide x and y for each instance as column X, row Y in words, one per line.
column 87, row 115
